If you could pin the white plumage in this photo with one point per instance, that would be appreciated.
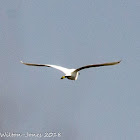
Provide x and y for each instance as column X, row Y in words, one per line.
column 71, row 74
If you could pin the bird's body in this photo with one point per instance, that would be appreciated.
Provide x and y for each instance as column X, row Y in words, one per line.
column 71, row 74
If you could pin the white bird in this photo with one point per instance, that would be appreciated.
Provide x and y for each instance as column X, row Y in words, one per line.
column 71, row 74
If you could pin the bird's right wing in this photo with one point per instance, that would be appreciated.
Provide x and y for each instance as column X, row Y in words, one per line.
column 64, row 70
column 98, row 65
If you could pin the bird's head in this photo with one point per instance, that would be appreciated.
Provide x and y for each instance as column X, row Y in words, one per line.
column 63, row 77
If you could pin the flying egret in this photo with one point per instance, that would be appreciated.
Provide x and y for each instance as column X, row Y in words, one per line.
column 71, row 74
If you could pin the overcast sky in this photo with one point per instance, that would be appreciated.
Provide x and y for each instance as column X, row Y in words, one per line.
column 104, row 103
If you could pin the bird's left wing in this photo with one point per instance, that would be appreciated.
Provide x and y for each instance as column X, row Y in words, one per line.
column 64, row 70
column 98, row 65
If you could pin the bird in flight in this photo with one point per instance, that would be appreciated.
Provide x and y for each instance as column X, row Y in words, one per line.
column 71, row 74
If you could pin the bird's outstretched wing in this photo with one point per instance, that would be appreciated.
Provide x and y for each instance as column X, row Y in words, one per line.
column 64, row 70
column 98, row 65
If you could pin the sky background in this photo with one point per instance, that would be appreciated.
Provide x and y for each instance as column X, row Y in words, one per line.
column 104, row 103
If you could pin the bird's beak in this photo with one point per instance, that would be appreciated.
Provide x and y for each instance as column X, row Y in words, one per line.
column 62, row 77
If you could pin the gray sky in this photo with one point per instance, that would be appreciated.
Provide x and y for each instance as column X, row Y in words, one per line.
column 104, row 103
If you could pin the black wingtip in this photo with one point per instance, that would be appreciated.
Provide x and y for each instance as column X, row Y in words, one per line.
column 119, row 61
